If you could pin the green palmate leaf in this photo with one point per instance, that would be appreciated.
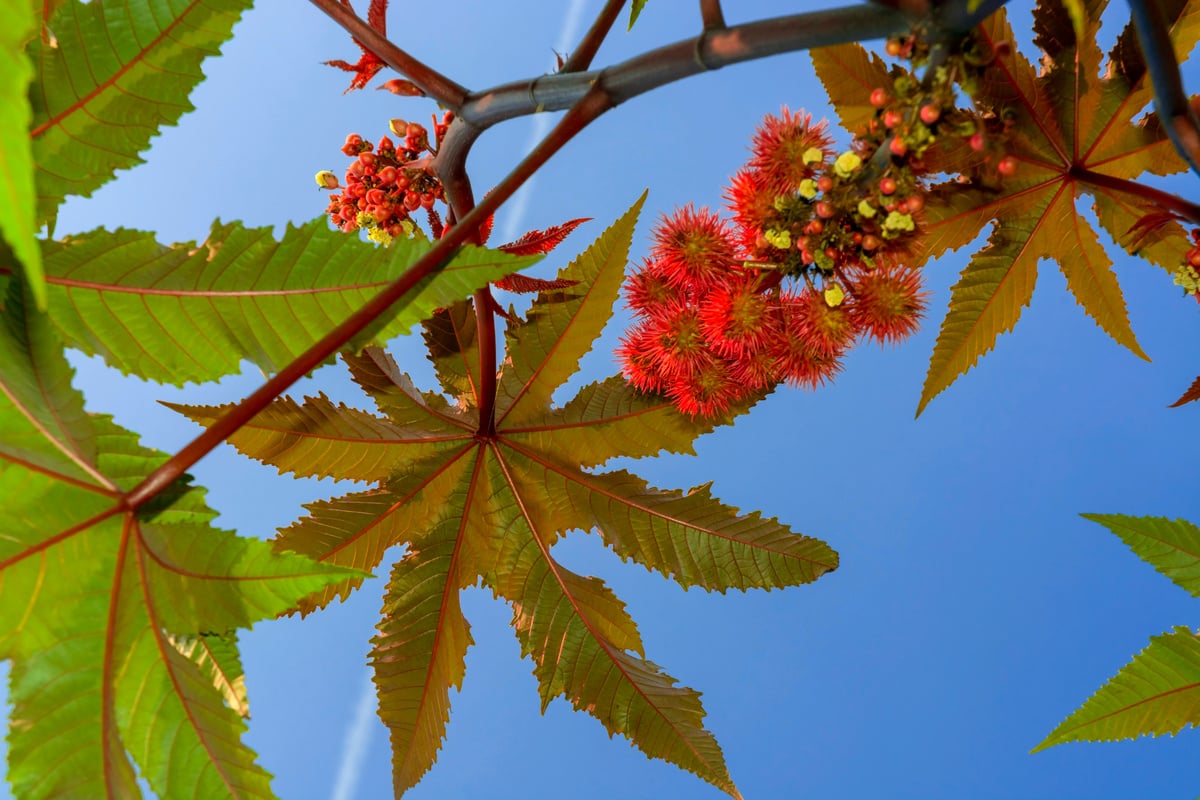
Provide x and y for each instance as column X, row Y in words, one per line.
column 1170, row 546
column 190, row 312
column 18, row 24
column 97, row 600
column 469, row 505
column 1158, row 692
column 217, row 656
column 115, row 73
column 1074, row 133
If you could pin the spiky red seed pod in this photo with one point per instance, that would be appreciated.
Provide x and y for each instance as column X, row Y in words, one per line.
column 779, row 148
column 798, row 363
column 757, row 371
column 648, row 292
column 828, row 330
column 678, row 344
column 752, row 205
column 706, row 392
column 695, row 248
column 735, row 319
column 888, row 304
column 637, row 361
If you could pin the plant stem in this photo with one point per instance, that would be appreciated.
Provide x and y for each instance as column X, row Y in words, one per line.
column 1170, row 100
column 441, row 88
column 485, row 329
column 711, row 50
column 711, row 15
column 1152, row 195
column 582, row 56
column 589, row 107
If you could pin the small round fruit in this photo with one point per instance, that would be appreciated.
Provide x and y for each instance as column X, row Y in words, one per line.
column 977, row 142
column 824, row 183
column 825, row 210
column 898, row 146
column 930, row 114
column 887, row 185
column 1007, row 166
column 879, row 97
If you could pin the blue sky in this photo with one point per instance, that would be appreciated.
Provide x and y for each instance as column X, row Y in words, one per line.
column 973, row 609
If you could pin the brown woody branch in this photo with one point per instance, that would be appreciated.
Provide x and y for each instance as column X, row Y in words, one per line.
column 446, row 91
column 711, row 15
column 581, row 58
column 1170, row 99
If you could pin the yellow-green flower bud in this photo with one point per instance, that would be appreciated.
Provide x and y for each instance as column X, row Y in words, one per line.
column 327, row 180
column 866, row 209
column 379, row 235
column 847, row 164
column 812, row 155
column 898, row 222
column 1187, row 277
column 781, row 240
column 808, row 188
column 834, row 295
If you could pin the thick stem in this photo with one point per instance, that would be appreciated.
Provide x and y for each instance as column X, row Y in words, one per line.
column 581, row 58
column 1156, row 197
column 711, row 50
column 441, row 88
column 589, row 107
column 485, row 329
column 1170, row 99
column 711, row 15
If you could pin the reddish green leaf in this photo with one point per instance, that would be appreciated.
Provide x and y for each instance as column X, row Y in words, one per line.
column 491, row 506
column 1191, row 395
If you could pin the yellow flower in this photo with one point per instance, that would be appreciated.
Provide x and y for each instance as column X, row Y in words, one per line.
column 327, row 180
column 847, row 164
column 834, row 295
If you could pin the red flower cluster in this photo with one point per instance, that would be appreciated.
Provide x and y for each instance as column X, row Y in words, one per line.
column 716, row 324
column 386, row 183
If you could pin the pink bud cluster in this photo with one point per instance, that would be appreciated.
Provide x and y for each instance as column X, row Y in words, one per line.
column 386, row 183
